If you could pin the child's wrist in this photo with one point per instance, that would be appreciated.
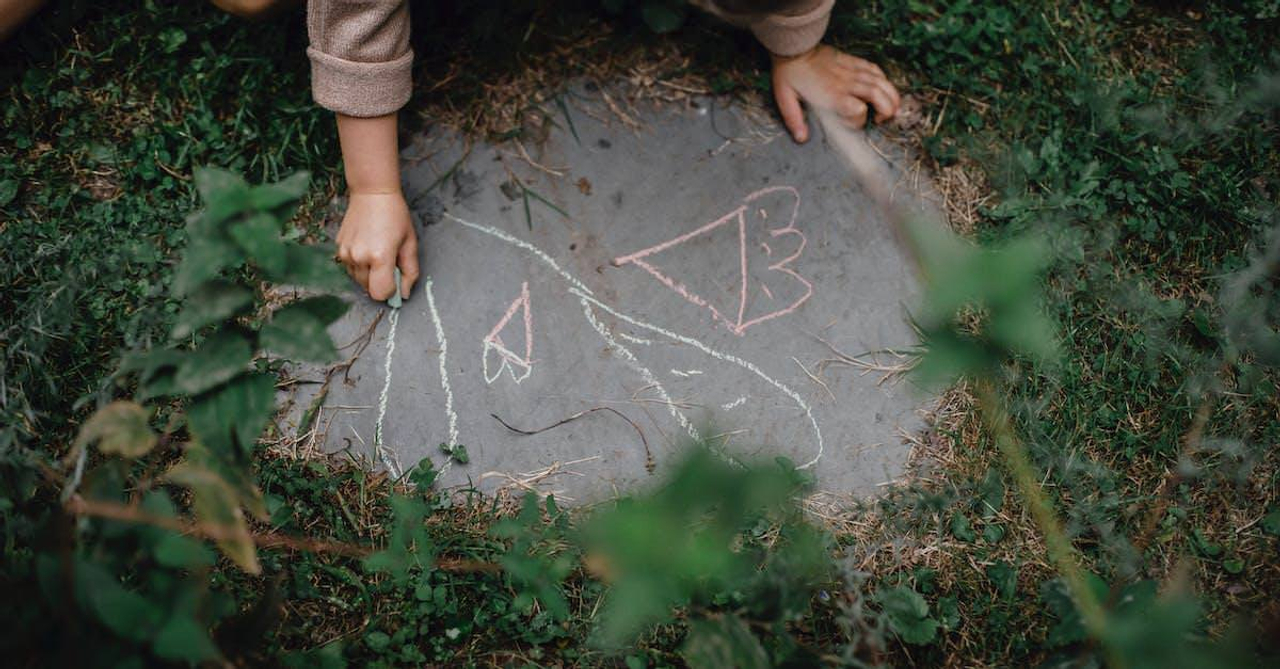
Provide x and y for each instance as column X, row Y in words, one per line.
column 373, row 190
column 779, row 59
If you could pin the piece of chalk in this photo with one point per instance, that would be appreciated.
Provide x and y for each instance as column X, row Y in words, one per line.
column 395, row 300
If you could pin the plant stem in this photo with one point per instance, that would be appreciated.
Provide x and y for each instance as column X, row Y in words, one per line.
column 1061, row 552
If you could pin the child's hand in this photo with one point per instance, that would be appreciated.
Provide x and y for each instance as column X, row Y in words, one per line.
column 828, row 78
column 377, row 236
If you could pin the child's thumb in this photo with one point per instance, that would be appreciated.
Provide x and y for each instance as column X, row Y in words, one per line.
column 792, row 113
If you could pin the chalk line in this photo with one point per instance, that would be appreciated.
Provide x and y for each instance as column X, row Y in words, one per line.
column 444, row 372
column 382, row 400
column 585, row 294
column 687, row 373
column 817, row 432
column 640, row 369
column 739, row 325
column 515, row 241
column 635, row 340
column 734, row 404
column 493, row 342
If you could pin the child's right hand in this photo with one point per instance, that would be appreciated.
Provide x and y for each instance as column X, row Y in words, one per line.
column 377, row 236
column 828, row 78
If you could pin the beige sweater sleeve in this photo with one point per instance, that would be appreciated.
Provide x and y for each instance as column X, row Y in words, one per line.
column 789, row 33
column 361, row 63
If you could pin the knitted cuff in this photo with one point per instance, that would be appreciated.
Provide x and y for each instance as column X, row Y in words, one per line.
column 360, row 89
column 793, row 35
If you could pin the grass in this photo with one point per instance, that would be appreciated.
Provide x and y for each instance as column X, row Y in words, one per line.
column 1132, row 136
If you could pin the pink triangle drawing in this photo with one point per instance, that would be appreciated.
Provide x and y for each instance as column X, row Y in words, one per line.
column 493, row 343
column 734, row 315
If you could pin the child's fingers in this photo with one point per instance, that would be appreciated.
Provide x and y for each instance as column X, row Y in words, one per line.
column 361, row 275
column 853, row 111
column 382, row 281
column 408, row 263
column 789, row 107
column 871, row 91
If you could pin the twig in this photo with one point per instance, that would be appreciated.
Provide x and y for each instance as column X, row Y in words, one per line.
column 814, row 378
column 80, row 506
column 1061, row 551
column 553, row 171
column 648, row 455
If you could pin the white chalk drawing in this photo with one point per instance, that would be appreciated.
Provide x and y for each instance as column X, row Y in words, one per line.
column 443, row 345
column 635, row 340
column 378, row 448
column 591, row 305
column 686, row 373
column 635, row 365
column 509, row 360
column 751, row 367
column 734, row 404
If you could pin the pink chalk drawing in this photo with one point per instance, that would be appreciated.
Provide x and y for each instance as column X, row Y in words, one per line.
column 509, row 360
column 736, row 322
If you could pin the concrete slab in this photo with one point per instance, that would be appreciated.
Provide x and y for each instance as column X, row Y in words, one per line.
column 694, row 275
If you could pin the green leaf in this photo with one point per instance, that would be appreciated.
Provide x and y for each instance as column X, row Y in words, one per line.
column 202, row 260
column 8, row 191
column 182, row 639
column 312, row 265
column 217, row 504
column 908, row 614
column 327, row 308
column 229, row 419
column 224, row 193
column 408, row 545
column 288, row 190
column 123, row 611
column 120, row 428
column 172, row 38
column 662, row 17
column 220, row 358
column 297, row 333
column 723, row 642
column 377, row 641
column 961, row 529
column 215, row 300
column 182, row 552
column 259, row 237
column 1271, row 523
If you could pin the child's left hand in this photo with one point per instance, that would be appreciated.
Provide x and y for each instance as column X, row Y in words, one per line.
column 828, row 78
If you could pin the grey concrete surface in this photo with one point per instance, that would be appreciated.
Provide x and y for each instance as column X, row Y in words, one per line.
column 700, row 276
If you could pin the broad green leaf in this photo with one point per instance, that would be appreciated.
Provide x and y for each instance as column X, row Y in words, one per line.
column 8, row 191
column 230, row 418
column 662, row 16
column 182, row 552
column 723, row 642
column 182, row 639
column 297, row 333
column 311, row 265
column 271, row 196
column 215, row 300
column 327, row 308
column 123, row 611
column 1271, row 523
column 119, row 428
column 259, row 237
column 217, row 506
column 908, row 614
column 408, row 545
column 225, row 194
column 202, row 260
column 218, row 359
